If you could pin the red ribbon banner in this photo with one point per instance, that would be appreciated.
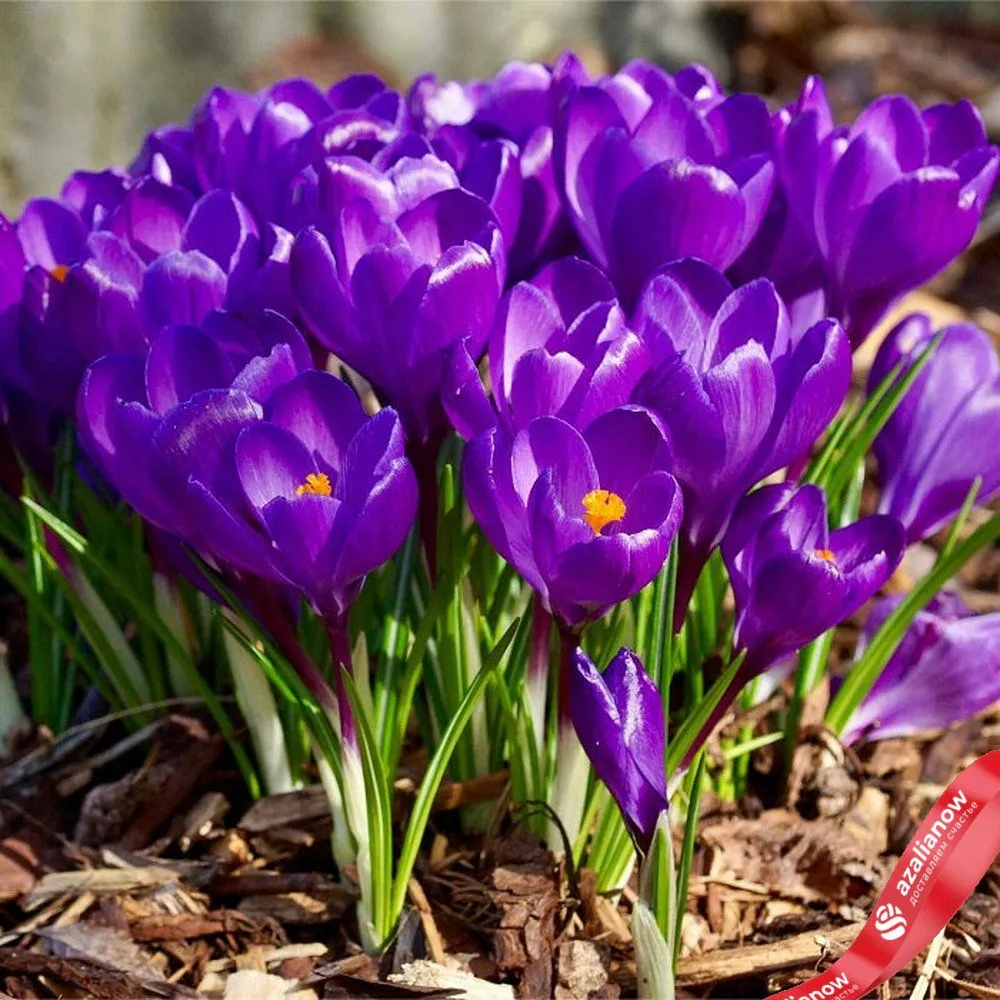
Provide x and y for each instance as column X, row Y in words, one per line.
column 949, row 854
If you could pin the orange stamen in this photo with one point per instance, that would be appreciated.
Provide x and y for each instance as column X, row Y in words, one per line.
column 602, row 508
column 826, row 555
column 316, row 484
column 59, row 272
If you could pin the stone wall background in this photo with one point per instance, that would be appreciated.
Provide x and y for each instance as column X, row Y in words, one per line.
column 82, row 80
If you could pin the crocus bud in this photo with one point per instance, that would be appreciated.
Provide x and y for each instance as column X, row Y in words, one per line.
column 618, row 716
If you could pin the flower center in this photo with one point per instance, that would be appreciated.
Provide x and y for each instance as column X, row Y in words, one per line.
column 317, row 484
column 826, row 555
column 59, row 272
column 602, row 508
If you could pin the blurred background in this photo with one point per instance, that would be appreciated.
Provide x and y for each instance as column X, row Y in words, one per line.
column 82, row 80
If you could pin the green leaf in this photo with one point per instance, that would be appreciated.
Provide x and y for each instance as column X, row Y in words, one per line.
column 393, row 637
column 378, row 807
column 884, row 643
column 698, row 718
column 436, row 769
column 748, row 747
column 687, row 847
column 838, row 466
column 656, row 881
column 145, row 615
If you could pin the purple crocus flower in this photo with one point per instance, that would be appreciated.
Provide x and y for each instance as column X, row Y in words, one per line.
column 618, row 716
column 365, row 117
column 390, row 297
column 255, row 144
column 642, row 147
column 587, row 518
column 888, row 201
column 931, row 450
column 26, row 424
column 160, row 258
column 80, row 299
column 223, row 437
column 945, row 670
column 792, row 577
column 560, row 347
column 741, row 393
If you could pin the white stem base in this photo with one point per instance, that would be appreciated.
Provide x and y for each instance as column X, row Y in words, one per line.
column 569, row 790
column 172, row 613
column 260, row 710
column 654, row 963
column 11, row 712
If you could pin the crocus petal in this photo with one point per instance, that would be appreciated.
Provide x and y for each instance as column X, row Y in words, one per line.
column 197, row 438
column 677, row 309
column 626, row 444
column 965, row 656
column 619, row 719
column 224, row 230
column 702, row 215
column 181, row 288
column 464, row 396
column 321, row 411
column 51, row 234
column 640, row 708
column 910, row 232
column 271, row 462
column 182, row 361
column 151, row 218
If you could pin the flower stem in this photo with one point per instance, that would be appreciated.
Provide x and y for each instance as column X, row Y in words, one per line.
column 276, row 620
column 713, row 720
column 572, row 767
column 537, row 675
column 338, row 635
column 423, row 457
column 691, row 561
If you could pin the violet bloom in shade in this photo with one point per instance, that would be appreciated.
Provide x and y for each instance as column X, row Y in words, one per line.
column 586, row 518
column 26, row 424
column 162, row 258
column 888, row 201
column 391, row 297
column 945, row 670
column 741, row 395
column 80, row 300
column 792, row 577
column 255, row 144
column 518, row 106
column 560, row 347
column 651, row 174
column 618, row 717
column 782, row 251
column 224, row 438
column 931, row 450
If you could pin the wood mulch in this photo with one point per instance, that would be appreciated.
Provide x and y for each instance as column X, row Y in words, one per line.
column 136, row 866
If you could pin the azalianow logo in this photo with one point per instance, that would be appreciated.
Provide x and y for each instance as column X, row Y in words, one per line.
column 890, row 922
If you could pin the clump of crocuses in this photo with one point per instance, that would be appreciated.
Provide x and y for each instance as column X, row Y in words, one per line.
column 613, row 314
